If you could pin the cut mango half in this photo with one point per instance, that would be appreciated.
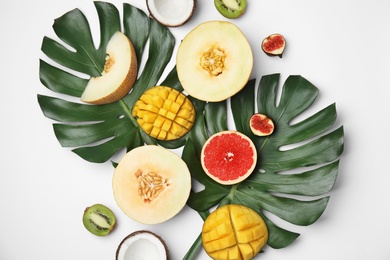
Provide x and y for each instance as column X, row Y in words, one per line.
column 234, row 232
column 164, row 113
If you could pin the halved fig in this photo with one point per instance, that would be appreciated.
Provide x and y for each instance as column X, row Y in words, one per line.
column 274, row 45
column 261, row 125
column 142, row 245
column 172, row 13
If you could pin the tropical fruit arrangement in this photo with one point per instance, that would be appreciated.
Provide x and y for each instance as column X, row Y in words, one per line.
column 245, row 171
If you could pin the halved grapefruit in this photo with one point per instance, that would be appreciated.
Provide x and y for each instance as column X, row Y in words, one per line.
column 228, row 157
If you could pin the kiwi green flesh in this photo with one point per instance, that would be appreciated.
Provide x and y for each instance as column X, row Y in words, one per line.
column 230, row 8
column 99, row 220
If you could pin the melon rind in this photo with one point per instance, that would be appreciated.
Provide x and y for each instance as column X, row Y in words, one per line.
column 151, row 158
column 196, row 81
column 116, row 82
column 236, row 179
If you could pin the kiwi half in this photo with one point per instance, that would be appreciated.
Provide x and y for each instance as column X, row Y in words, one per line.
column 99, row 220
column 230, row 8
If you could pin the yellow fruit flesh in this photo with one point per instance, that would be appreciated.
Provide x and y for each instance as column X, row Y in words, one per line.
column 214, row 61
column 164, row 113
column 234, row 232
column 151, row 184
column 119, row 74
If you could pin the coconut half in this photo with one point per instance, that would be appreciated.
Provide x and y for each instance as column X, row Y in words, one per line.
column 172, row 13
column 142, row 245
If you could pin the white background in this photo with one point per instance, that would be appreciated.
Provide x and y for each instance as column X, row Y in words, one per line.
column 342, row 47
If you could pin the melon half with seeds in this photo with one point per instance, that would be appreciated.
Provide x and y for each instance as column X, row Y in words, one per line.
column 214, row 61
column 228, row 157
column 151, row 184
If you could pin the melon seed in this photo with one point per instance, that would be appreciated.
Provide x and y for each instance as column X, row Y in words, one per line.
column 150, row 185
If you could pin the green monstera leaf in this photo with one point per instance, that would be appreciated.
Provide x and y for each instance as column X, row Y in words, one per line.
column 298, row 163
column 98, row 132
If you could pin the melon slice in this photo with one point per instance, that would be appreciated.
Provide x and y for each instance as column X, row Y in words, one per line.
column 151, row 184
column 119, row 75
column 214, row 61
column 228, row 157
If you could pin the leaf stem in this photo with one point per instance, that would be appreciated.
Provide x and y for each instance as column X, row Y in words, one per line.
column 194, row 249
column 127, row 111
column 232, row 191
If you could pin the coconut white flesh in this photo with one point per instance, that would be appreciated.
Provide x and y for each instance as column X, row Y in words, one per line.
column 142, row 246
column 119, row 49
column 171, row 12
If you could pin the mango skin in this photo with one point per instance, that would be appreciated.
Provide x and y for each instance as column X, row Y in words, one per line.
column 234, row 232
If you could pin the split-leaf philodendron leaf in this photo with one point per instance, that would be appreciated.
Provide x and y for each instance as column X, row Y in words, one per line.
column 300, row 159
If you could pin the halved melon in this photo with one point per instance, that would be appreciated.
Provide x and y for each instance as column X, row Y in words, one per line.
column 119, row 75
column 214, row 61
column 151, row 184
column 228, row 157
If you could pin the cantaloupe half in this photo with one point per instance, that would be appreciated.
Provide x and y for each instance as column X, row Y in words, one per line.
column 118, row 76
column 151, row 184
column 214, row 61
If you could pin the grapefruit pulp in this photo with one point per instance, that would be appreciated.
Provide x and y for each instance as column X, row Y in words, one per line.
column 228, row 157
